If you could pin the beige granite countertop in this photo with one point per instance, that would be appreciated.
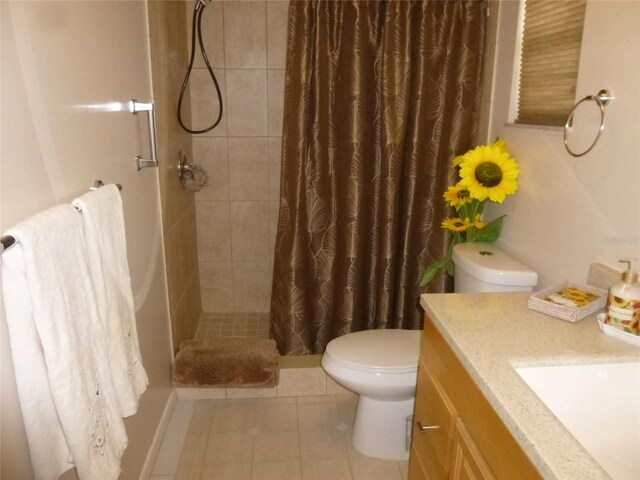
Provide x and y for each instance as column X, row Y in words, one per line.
column 494, row 332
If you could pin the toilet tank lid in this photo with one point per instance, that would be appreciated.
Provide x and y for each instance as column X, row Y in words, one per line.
column 490, row 265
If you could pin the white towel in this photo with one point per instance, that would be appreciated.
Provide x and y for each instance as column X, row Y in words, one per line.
column 57, row 341
column 48, row 447
column 105, row 235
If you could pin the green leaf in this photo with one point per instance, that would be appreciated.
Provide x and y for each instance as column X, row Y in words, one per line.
column 449, row 266
column 433, row 270
column 491, row 232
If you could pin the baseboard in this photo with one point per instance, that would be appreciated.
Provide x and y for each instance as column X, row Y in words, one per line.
column 150, row 461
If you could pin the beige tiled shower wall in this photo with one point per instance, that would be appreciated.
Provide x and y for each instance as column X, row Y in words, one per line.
column 237, row 214
column 168, row 41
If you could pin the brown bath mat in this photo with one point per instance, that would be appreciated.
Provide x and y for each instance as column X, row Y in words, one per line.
column 226, row 362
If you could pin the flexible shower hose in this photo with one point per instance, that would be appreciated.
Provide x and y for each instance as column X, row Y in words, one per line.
column 196, row 29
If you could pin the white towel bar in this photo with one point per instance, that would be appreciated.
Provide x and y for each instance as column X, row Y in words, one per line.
column 7, row 241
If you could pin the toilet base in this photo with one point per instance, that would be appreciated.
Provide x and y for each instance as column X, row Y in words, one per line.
column 380, row 428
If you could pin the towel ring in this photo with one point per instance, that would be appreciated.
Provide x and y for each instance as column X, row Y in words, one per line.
column 602, row 99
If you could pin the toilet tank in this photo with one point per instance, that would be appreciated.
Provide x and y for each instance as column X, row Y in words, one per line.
column 480, row 267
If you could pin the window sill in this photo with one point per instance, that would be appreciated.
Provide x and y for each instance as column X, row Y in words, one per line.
column 530, row 126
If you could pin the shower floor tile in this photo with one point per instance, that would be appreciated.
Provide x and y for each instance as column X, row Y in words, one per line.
column 269, row 439
column 246, row 325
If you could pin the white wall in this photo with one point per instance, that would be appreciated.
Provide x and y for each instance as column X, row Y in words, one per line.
column 60, row 62
column 570, row 212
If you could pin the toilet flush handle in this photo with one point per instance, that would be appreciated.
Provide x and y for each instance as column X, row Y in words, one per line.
column 424, row 428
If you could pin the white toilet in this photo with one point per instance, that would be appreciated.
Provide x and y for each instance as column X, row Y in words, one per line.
column 382, row 365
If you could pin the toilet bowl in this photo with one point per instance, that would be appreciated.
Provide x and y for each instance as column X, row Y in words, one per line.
column 381, row 366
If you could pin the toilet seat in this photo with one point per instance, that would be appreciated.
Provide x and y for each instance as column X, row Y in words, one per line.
column 382, row 351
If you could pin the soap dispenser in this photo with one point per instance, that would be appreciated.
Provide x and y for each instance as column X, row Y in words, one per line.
column 623, row 305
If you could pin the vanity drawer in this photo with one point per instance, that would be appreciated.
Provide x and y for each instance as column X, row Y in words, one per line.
column 433, row 409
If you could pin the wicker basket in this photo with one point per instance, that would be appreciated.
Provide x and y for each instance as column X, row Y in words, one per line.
column 571, row 312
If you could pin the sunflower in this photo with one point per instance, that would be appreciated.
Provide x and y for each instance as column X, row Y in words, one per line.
column 479, row 224
column 501, row 144
column 457, row 196
column 456, row 224
column 460, row 225
column 489, row 172
column 457, row 160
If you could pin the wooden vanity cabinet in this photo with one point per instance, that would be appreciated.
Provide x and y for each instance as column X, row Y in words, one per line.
column 467, row 463
column 433, row 409
column 462, row 436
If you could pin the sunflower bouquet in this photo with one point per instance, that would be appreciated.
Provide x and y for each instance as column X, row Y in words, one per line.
column 487, row 173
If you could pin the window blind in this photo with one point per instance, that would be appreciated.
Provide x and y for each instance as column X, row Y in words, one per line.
column 551, row 42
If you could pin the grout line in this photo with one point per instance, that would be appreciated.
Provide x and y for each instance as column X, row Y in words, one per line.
column 299, row 436
column 266, row 39
column 175, row 434
column 226, row 101
column 206, row 444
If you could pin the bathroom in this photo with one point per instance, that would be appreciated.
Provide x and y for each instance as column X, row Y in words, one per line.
column 568, row 212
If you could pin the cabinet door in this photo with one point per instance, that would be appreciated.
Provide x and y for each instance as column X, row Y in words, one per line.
column 416, row 470
column 467, row 462
column 433, row 422
column 500, row 449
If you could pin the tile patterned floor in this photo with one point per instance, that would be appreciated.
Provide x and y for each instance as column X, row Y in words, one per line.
column 254, row 325
column 281, row 438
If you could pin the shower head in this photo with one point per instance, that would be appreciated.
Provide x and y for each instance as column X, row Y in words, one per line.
column 203, row 3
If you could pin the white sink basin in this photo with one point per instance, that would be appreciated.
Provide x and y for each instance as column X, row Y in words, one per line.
column 599, row 405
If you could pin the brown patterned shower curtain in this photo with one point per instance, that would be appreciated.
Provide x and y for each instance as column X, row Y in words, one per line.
column 379, row 97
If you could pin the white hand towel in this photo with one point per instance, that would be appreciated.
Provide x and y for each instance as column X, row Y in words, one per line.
column 55, row 331
column 105, row 235
column 49, row 451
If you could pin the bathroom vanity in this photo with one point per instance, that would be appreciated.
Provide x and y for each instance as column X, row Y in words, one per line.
column 475, row 416
column 448, row 399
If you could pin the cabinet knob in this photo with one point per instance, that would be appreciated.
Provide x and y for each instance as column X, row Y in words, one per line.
column 424, row 428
